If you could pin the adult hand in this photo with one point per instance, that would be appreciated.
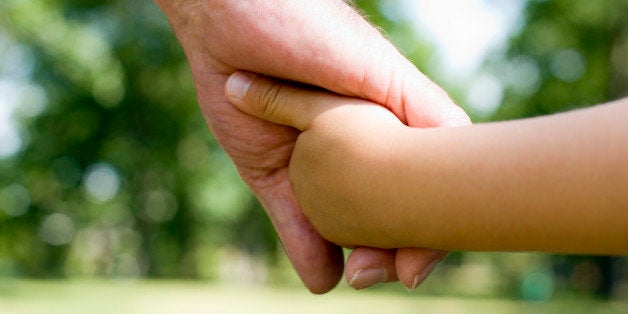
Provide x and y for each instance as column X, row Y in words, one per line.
column 342, row 168
column 323, row 43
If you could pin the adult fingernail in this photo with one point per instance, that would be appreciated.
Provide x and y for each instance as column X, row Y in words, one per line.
column 364, row 278
column 238, row 84
column 419, row 278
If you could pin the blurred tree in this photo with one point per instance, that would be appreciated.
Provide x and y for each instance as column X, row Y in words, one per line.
column 117, row 174
column 117, row 169
column 567, row 54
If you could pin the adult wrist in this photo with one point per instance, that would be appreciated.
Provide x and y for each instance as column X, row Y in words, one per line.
column 180, row 13
column 172, row 7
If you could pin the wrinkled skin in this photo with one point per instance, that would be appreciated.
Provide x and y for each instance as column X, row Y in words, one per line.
column 323, row 43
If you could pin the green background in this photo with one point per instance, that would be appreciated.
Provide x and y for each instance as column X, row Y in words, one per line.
column 117, row 176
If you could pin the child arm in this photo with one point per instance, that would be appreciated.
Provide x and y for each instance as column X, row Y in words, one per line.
column 555, row 183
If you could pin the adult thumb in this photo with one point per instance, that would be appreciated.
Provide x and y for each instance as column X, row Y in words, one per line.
column 276, row 101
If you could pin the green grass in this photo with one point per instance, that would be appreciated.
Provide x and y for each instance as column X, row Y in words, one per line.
column 155, row 297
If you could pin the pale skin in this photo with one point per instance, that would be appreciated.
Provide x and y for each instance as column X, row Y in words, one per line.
column 553, row 184
column 323, row 43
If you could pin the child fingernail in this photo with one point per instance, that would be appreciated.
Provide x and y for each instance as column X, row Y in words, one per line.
column 238, row 84
column 364, row 278
column 419, row 278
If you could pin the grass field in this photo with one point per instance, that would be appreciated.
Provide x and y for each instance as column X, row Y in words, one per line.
column 155, row 297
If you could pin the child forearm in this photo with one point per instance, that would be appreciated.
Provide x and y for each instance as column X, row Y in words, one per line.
column 362, row 178
column 557, row 183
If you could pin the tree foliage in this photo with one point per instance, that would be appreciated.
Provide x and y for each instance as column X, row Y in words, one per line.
column 117, row 174
column 118, row 170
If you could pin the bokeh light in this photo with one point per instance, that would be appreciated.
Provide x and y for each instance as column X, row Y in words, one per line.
column 57, row 229
column 101, row 182
column 14, row 200
column 107, row 168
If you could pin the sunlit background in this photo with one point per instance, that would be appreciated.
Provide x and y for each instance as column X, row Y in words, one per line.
column 110, row 180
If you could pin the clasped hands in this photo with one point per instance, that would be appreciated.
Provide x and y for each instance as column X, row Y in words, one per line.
column 347, row 161
column 322, row 43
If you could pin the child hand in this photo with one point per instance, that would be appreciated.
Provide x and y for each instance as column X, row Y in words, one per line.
column 364, row 178
column 338, row 165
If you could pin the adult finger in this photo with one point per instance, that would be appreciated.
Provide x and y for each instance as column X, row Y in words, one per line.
column 413, row 265
column 367, row 266
column 325, row 43
column 318, row 262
